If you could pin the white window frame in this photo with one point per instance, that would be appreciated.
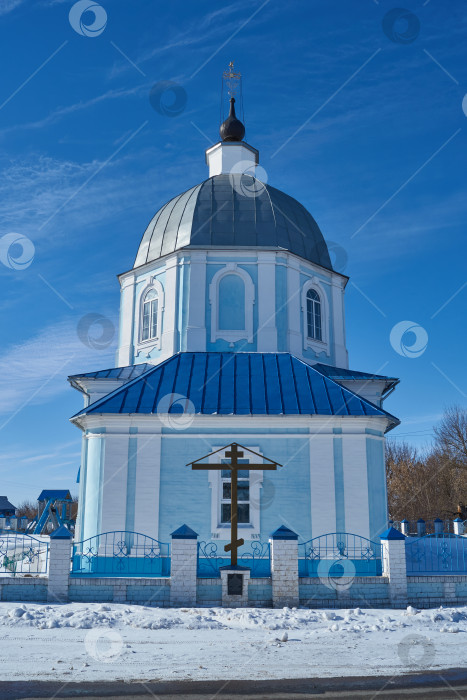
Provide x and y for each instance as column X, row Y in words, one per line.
column 156, row 286
column 232, row 336
column 223, row 500
column 220, row 530
column 317, row 345
column 312, row 313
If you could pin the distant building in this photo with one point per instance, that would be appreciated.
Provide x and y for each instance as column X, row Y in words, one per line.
column 7, row 509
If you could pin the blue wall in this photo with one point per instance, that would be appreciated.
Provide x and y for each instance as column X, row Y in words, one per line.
column 185, row 495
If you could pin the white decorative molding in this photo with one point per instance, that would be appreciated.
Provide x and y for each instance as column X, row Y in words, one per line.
column 222, row 531
column 143, row 345
column 322, row 345
column 232, row 336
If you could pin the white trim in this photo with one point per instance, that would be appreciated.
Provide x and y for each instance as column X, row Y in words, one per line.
column 159, row 289
column 232, row 336
column 323, row 344
column 218, row 531
column 148, row 422
column 244, row 436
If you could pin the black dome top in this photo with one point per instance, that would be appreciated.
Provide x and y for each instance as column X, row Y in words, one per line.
column 233, row 211
column 232, row 129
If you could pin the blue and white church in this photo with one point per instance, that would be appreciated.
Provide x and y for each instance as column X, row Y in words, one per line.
column 232, row 329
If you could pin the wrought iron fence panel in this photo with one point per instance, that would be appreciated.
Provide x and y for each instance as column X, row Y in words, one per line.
column 351, row 555
column 22, row 554
column 120, row 553
column 211, row 557
column 436, row 554
column 429, row 526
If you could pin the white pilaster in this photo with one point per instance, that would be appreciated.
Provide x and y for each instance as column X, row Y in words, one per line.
column 293, row 308
column 148, row 464
column 338, row 320
column 267, row 331
column 196, row 328
column 114, row 484
column 323, row 505
column 170, row 343
column 357, row 515
column 125, row 351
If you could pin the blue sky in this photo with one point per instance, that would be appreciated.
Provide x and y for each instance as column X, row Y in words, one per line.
column 364, row 127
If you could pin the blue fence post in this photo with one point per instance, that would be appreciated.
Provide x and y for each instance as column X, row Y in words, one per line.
column 438, row 525
column 394, row 566
column 421, row 527
column 458, row 526
column 183, row 567
column 59, row 565
column 405, row 527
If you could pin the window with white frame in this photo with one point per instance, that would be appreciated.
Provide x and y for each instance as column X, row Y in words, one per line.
column 232, row 297
column 243, row 494
column 249, row 486
column 149, row 329
column 313, row 315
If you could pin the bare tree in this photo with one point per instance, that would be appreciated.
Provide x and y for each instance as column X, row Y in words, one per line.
column 28, row 509
column 451, row 435
column 433, row 483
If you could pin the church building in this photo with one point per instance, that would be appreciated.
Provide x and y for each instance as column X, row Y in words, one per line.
column 232, row 329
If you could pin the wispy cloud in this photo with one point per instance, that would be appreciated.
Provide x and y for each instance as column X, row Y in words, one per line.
column 207, row 32
column 34, row 371
column 7, row 6
column 57, row 114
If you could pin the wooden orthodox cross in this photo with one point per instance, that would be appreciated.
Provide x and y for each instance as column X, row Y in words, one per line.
column 234, row 454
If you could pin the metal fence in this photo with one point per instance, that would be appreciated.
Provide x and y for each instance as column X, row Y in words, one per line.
column 436, row 554
column 120, row 553
column 257, row 558
column 417, row 528
column 22, row 554
column 339, row 554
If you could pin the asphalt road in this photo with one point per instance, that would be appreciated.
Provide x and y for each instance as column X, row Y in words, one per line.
column 449, row 684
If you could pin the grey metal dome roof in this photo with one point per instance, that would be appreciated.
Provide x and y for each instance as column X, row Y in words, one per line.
column 233, row 211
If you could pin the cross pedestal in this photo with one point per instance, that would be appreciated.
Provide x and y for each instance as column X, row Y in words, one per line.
column 235, row 581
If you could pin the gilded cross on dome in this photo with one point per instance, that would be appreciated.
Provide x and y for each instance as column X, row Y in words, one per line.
column 232, row 79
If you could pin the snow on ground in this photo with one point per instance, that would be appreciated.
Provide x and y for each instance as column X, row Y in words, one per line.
column 78, row 642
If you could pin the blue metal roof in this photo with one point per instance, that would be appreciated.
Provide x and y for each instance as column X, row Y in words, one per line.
column 340, row 374
column 125, row 373
column 60, row 494
column 236, row 384
column 5, row 505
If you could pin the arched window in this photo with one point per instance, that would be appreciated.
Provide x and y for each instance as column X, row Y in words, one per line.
column 231, row 303
column 313, row 315
column 232, row 298
column 149, row 328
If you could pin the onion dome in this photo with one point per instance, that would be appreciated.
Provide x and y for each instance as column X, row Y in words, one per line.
column 232, row 128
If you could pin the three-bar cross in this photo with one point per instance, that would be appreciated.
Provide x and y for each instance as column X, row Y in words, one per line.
column 234, row 454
